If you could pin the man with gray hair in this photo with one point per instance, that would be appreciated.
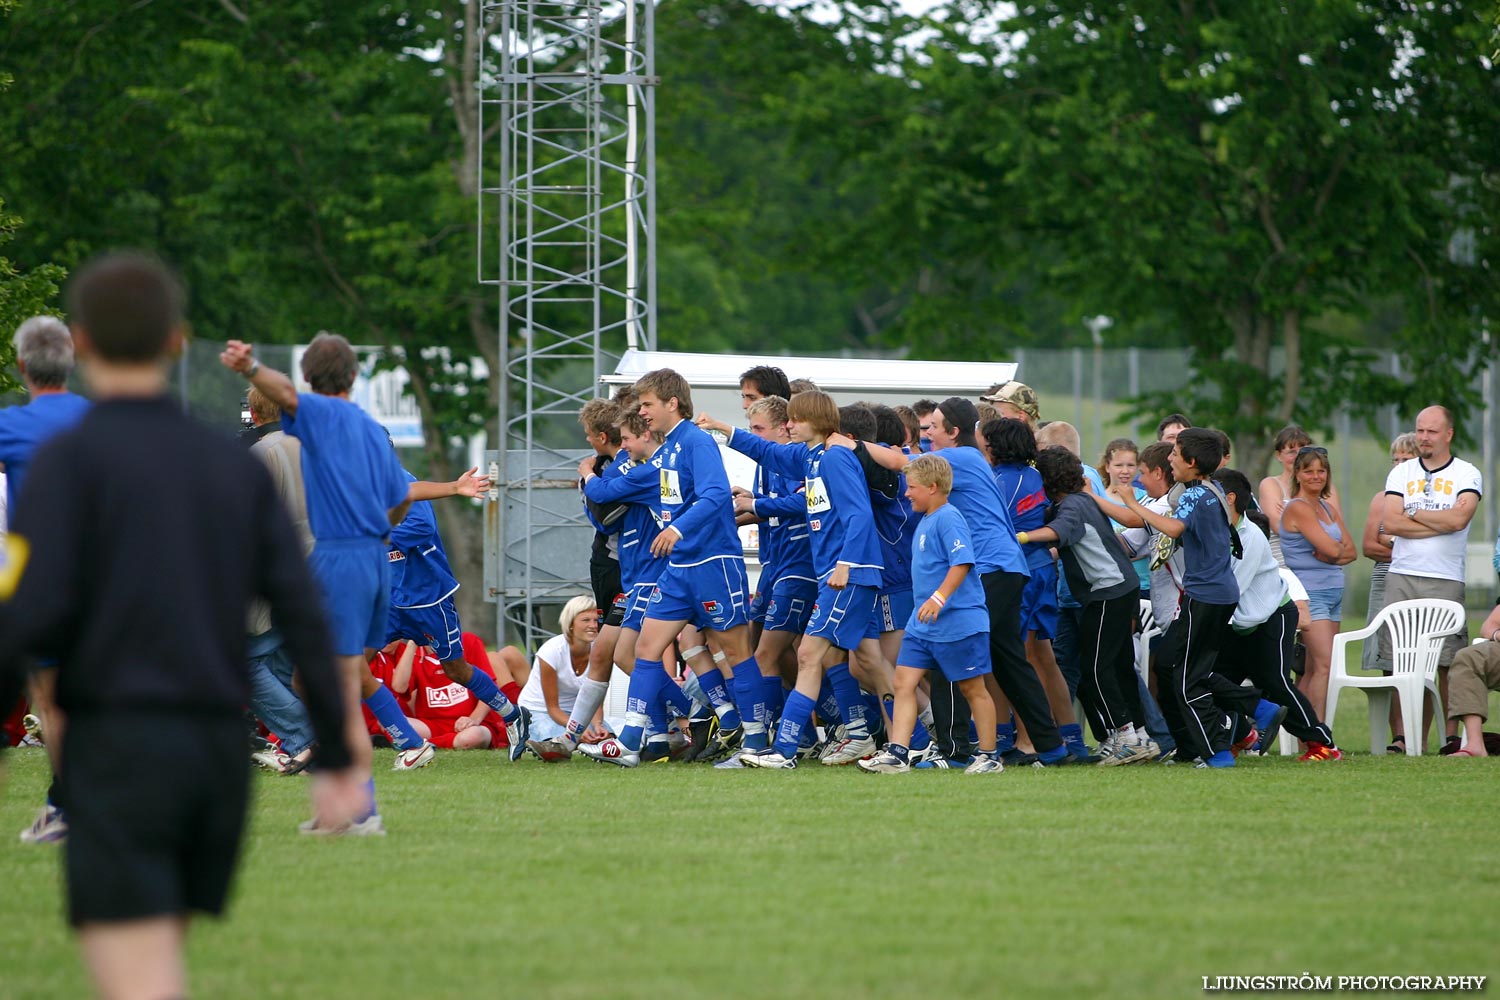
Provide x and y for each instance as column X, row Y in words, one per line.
column 44, row 356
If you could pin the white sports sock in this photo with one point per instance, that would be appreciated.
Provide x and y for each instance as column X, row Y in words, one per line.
column 590, row 696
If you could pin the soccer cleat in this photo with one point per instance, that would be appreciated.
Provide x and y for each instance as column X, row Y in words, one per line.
column 1318, row 752
column 611, row 751
column 734, row 761
column 984, row 765
column 849, row 751
column 768, row 759
column 519, row 734
column 370, row 826
column 835, row 737
column 49, row 827
column 1222, row 758
column 33, row 727
column 1246, row 742
column 929, row 752
column 553, row 751
column 1268, row 719
column 410, row 760
column 939, row 763
column 1130, row 752
column 272, row 760
column 884, row 762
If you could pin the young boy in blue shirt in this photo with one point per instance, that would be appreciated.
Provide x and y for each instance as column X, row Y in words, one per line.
column 1201, row 524
column 846, row 557
column 950, row 631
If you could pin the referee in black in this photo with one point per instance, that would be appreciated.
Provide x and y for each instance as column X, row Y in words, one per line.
column 143, row 537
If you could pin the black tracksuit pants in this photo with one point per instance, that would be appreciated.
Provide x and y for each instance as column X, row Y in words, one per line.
column 1264, row 657
column 1185, row 683
column 1106, row 655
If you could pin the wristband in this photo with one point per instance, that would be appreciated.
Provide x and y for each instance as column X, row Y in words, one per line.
column 937, row 595
column 1022, row 537
column 254, row 367
column 1493, row 634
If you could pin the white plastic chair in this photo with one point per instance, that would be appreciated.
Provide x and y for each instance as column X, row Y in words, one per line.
column 1417, row 630
column 1143, row 641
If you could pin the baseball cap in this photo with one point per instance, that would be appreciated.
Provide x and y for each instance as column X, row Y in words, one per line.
column 1018, row 394
column 960, row 413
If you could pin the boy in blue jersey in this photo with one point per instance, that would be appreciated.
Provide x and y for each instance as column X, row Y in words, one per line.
column 704, row 583
column 638, row 488
column 1002, row 570
column 44, row 357
column 949, row 631
column 846, row 557
column 1012, row 447
column 788, row 583
column 356, row 492
column 422, row 609
column 1201, row 524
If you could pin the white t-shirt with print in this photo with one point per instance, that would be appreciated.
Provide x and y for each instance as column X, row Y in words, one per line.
column 1420, row 488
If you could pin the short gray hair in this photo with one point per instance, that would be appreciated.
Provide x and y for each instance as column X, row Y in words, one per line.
column 45, row 345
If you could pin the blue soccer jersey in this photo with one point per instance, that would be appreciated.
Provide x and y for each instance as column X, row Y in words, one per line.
column 978, row 499
column 894, row 520
column 615, row 467
column 420, row 574
column 694, row 498
column 839, row 521
column 349, row 469
column 23, row 429
column 639, row 488
column 942, row 540
column 1021, row 488
column 785, row 510
column 1208, row 575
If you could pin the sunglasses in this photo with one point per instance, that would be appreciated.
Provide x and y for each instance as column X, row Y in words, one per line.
column 1312, row 449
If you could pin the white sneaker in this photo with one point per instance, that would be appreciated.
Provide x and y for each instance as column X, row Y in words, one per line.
column 734, row 761
column 519, row 734
column 835, row 737
column 984, row 765
column 884, row 763
column 49, row 827
column 770, row 759
column 370, row 826
column 1132, row 752
column 849, row 751
column 611, row 751
column 410, row 760
column 929, row 752
column 272, row 760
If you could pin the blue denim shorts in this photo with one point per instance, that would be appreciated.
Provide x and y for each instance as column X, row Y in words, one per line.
column 1326, row 605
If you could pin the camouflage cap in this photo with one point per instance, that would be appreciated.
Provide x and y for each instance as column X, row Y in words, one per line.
column 1018, row 394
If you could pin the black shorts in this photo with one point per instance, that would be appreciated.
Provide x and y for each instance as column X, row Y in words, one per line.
column 604, row 574
column 156, row 809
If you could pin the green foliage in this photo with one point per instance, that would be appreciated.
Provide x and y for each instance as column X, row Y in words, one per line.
column 22, row 295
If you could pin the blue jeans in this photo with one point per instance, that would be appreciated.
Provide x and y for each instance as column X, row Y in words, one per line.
column 271, row 696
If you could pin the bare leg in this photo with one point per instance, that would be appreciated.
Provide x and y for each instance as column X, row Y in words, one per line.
column 904, row 711
column 1044, row 661
column 1314, row 683
column 982, row 709
column 354, row 673
column 1474, row 730
column 1451, row 728
column 510, row 667
column 43, row 693
column 137, row 959
column 873, row 671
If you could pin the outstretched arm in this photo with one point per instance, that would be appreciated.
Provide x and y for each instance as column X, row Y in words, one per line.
column 470, row 484
column 237, row 357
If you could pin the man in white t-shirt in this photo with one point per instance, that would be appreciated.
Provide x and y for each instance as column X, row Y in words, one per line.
column 1429, row 502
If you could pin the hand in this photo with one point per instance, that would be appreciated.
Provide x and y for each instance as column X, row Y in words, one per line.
column 744, row 503
column 664, row 543
column 470, row 484
column 462, row 723
column 236, row 356
column 595, row 734
column 840, row 441
column 586, row 468
column 739, row 491
column 928, row 612
column 1124, row 494
column 338, row 798
column 839, row 578
column 710, row 424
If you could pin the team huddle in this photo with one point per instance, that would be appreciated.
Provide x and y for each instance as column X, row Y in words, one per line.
column 908, row 601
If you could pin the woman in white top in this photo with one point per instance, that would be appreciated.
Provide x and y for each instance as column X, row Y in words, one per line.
column 561, row 665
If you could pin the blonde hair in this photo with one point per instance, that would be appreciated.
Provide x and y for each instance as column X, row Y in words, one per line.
column 665, row 384
column 570, row 612
column 930, row 470
column 815, row 408
column 1404, row 444
column 774, row 407
column 1061, row 434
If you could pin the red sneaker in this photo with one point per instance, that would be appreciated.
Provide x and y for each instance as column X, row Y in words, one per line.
column 1317, row 751
column 1240, row 746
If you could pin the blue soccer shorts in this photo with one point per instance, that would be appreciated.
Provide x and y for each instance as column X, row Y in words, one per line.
column 711, row 595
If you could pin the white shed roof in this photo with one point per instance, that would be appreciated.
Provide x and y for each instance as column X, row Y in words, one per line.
column 918, row 378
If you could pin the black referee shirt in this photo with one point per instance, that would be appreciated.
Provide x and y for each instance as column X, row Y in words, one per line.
column 149, row 536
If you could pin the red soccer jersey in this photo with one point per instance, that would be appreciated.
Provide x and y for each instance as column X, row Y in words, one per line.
column 384, row 667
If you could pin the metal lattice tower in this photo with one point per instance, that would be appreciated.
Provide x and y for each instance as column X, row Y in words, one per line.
column 567, row 234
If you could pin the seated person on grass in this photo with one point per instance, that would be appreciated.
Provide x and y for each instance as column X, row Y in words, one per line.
column 1474, row 674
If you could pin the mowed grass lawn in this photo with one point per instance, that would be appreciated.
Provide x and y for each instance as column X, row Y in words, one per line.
column 580, row 880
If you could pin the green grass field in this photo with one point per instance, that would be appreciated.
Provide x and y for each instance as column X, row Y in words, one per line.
column 580, row 880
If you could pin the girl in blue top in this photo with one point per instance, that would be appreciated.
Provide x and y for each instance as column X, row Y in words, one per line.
column 950, row 631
